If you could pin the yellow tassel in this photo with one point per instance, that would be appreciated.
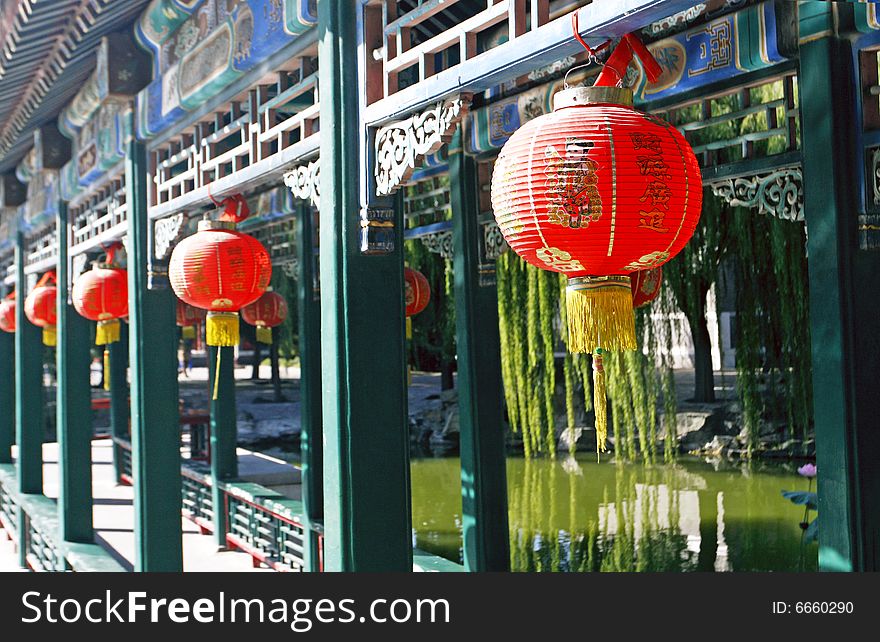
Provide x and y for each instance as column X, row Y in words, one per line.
column 106, row 369
column 408, row 328
column 599, row 403
column 108, row 332
column 188, row 332
column 222, row 329
column 216, row 370
column 50, row 336
column 599, row 312
column 264, row 334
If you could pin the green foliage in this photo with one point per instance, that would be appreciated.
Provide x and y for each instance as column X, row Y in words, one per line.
column 433, row 337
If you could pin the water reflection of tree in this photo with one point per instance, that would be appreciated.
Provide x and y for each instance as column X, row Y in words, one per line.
column 636, row 528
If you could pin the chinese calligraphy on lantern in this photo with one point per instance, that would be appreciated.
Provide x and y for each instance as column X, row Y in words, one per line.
column 572, row 185
column 657, row 193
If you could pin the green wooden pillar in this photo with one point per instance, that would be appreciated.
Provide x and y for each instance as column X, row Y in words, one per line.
column 29, row 400
column 119, row 395
column 366, row 435
column 311, row 446
column 7, row 396
column 154, row 414
column 74, row 406
column 224, row 434
column 483, row 465
column 844, row 310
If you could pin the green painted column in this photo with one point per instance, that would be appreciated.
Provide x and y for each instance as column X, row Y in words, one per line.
column 155, row 417
column 7, row 396
column 119, row 410
column 74, row 406
column 311, row 446
column 843, row 311
column 478, row 347
column 224, row 434
column 366, row 434
column 29, row 396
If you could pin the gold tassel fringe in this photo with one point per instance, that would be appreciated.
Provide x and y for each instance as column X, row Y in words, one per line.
column 264, row 334
column 188, row 332
column 600, row 313
column 106, row 369
column 222, row 329
column 408, row 328
column 50, row 336
column 108, row 332
column 599, row 403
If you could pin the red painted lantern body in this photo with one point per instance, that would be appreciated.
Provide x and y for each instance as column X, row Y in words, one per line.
column 267, row 312
column 40, row 307
column 417, row 291
column 101, row 295
column 596, row 189
column 7, row 315
column 220, row 270
column 645, row 286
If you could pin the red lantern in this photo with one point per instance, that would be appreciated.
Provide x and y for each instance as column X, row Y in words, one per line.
column 267, row 312
column 220, row 270
column 101, row 295
column 417, row 294
column 41, row 309
column 645, row 286
column 597, row 190
column 7, row 313
column 188, row 317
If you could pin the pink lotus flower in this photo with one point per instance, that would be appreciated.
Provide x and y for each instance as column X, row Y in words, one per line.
column 807, row 470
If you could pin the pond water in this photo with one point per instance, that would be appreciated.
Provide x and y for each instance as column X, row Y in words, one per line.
column 580, row 515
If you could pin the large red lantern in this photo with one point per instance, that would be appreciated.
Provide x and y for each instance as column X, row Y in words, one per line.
column 41, row 307
column 267, row 312
column 597, row 190
column 417, row 294
column 645, row 286
column 7, row 313
column 101, row 295
column 220, row 270
column 188, row 317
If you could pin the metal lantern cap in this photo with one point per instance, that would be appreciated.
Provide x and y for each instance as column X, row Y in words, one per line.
column 580, row 96
column 207, row 224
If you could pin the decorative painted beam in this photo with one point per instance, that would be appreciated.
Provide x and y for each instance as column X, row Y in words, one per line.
column 402, row 146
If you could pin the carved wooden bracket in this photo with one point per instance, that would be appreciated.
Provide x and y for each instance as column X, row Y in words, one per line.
column 401, row 146
column 304, row 182
column 779, row 193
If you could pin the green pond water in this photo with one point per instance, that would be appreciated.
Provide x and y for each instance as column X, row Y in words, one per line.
column 579, row 515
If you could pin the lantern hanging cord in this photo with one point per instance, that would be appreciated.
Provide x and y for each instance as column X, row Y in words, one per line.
column 591, row 51
column 46, row 278
column 111, row 250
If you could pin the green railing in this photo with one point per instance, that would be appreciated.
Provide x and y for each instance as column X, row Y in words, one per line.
column 32, row 522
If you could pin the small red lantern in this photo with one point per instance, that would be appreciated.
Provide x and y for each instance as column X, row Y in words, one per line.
column 220, row 270
column 417, row 295
column 597, row 190
column 188, row 318
column 645, row 286
column 101, row 295
column 41, row 307
column 267, row 312
column 7, row 313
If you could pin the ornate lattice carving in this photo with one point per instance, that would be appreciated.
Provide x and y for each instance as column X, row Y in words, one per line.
column 402, row 145
column 779, row 193
column 493, row 241
column 166, row 232
column 874, row 179
column 304, row 182
column 439, row 243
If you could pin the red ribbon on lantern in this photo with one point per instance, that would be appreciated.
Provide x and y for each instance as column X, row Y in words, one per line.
column 7, row 313
column 645, row 286
column 41, row 307
column 221, row 270
column 267, row 312
column 597, row 190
